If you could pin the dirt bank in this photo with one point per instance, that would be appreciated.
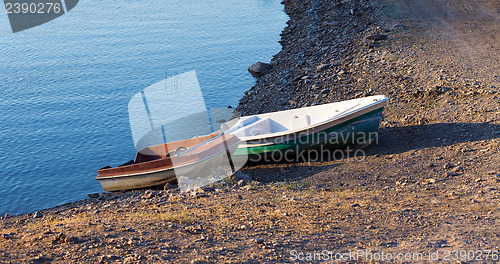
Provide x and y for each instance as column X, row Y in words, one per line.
column 430, row 185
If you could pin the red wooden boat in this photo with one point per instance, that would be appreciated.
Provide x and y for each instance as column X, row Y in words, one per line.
column 159, row 164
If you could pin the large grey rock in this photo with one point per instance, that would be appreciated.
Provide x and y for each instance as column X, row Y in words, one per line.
column 259, row 68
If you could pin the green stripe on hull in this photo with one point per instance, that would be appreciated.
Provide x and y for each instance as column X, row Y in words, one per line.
column 362, row 125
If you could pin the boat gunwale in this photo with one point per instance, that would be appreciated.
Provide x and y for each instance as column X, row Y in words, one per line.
column 250, row 149
column 165, row 169
column 374, row 106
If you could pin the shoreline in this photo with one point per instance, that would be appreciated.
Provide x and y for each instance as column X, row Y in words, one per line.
column 430, row 184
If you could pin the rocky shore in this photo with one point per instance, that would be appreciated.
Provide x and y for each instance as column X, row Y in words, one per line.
column 429, row 185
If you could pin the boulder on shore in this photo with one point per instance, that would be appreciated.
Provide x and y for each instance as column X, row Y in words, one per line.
column 259, row 68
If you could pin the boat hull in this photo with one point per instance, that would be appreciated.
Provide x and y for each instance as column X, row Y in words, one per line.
column 137, row 181
column 161, row 171
column 354, row 130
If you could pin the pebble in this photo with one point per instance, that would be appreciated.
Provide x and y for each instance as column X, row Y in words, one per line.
column 322, row 67
column 41, row 259
column 93, row 195
column 324, row 91
column 7, row 236
column 37, row 215
column 451, row 173
column 168, row 186
column 259, row 241
column 430, row 181
column 240, row 176
column 148, row 195
column 174, row 198
column 377, row 37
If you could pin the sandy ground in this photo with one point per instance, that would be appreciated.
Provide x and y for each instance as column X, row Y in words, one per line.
column 430, row 186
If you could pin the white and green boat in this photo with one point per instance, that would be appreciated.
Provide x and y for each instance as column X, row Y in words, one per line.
column 329, row 126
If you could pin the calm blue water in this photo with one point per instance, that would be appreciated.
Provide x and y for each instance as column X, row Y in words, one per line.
column 65, row 85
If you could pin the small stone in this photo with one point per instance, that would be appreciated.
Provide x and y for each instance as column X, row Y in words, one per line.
column 112, row 257
column 355, row 205
column 7, row 236
column 478, row 180
column 457, row 169
column 259, row 68
column 147, row 195
column 241, row 183
column 93, row 195
column 240, row 176
column 62, row 238
column 324, row 91
column 37, row 215
column 174, row 198
column 377, row 37
column 168, row 186
column 322, row 67
column 446, row 166
column 430, row 181
column 41, row 259
column 259, row 241
column 451, row 173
